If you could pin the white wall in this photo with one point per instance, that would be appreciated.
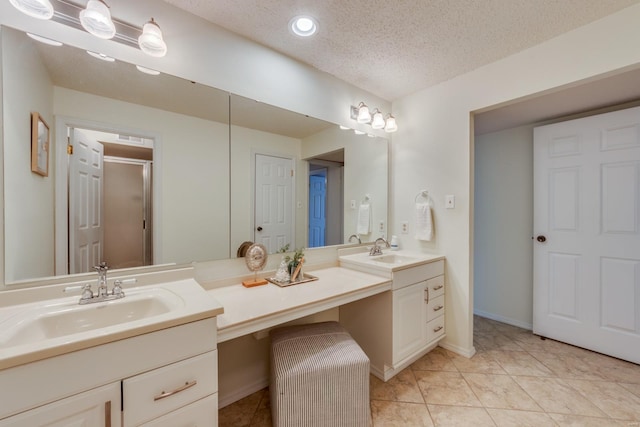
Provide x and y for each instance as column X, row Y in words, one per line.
column 28, row 197
column 503, row 226
column 433, row 148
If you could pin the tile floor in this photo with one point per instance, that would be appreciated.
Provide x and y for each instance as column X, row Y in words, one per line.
column 515, row 379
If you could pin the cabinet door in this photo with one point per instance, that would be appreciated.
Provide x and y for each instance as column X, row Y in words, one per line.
column 94, row 408
column 203, row 413
column 409, row 320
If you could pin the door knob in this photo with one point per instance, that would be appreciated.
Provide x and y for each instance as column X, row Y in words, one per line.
column 541, row 239
column 259, row 228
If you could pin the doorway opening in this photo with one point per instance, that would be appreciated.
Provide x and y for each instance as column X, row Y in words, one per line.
column 109, row 200
column 326, row 199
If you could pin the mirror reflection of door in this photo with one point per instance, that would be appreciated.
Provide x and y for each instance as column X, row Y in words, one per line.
column 273, row 202
column 331, row 212
column 117, row 201
column 317, row 207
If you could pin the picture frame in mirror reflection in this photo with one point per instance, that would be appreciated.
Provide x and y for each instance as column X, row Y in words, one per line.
column 39, row 145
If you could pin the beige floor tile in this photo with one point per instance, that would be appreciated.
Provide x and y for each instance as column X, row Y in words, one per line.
column 623, row 372
column 611, row 398
column 563, row 420
column 240, row 413
column 436, row 360
column 481, row 362
column 262, row 418
column 456, row 416
column 498, row 342
column 513, row 418
column 399, row 414
column 633, row 388
column 401, row 388
column 568, row 366
column 555, row 395
column 445, row 388
column 520, row 363
column 500, row 391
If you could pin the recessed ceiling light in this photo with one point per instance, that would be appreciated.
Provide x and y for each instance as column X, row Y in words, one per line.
column 358, row 132
column 147, row 70
column 101, row 56
column 344, row 127
column 303, row 26
column 45, row 40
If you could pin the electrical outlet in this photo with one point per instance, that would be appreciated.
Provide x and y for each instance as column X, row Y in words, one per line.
column 381, row 226
column 405, row 227
column 353, row 204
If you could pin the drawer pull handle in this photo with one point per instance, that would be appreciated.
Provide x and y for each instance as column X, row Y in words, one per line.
column 437, row 329
column 438, row 308
column 437, row 288
column 426, row 295
column 165, row 394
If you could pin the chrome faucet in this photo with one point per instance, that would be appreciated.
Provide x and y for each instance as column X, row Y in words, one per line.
column 356, row 236
column 376, row 250
column 102, row 293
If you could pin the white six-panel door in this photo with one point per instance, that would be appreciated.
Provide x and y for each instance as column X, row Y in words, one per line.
column 86, row 224
column 587, row 233
column 273, row 202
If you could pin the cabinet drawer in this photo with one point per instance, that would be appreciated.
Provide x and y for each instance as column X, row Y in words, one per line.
column 417, row 274
column 203, row 413
column 149, row 395
column 435, row 287
column 435, row 329
column 435, row 307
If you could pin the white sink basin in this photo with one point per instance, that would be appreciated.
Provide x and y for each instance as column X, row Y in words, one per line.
column 394, row 259
column 61, row 319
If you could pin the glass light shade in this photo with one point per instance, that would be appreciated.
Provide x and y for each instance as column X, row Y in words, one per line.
column 151, row 41
column 147, row 70
column 40, row 9
column 45, row 40
column 358, row 132
column 101, row 56
column 364, row 116
column 377, row 121
column 390, row 125
column 96, row 19
column 303, row 26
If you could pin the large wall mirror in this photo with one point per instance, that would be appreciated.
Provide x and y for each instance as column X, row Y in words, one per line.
column 199, row 157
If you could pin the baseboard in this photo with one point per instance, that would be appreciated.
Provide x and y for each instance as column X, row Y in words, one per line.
column 242, row 392
column 507, row 320
column 462, row 351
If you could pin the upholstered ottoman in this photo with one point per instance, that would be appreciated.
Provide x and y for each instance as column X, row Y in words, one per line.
column 319, row 377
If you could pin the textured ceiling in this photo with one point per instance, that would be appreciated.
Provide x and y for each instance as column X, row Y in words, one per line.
column 394, row 48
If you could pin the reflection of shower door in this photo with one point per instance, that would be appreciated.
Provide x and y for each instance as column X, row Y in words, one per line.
column 85, row 203
column 273, row 202
column 127, row 239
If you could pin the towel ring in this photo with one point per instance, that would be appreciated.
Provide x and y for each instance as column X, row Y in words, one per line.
column 424, row 194
column 366, row 198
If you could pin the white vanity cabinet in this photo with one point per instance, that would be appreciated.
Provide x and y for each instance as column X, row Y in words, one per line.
column 163, row 378
column 395, row 328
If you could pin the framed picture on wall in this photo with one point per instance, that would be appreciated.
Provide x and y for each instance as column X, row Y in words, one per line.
column 39, row 145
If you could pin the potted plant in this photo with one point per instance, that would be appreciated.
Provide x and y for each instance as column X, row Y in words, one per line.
column 292, row 260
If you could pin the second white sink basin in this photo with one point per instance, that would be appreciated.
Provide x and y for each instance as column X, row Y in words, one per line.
column 393, row 259
column 42, row 322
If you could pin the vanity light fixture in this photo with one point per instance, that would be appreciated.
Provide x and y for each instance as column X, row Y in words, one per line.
column 303, row 26
column 96, row 19
column 344, row 127
column 377, row 120
column 101, row 56
column 364, row 116
column 40, row 9
column 358, row 132
column 151, row 41
column 147, row 70
column 390, row 124
column 45, row 40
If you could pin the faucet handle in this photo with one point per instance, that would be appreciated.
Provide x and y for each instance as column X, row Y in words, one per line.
column 117, row 286
column 101, row 268
column 87, row 293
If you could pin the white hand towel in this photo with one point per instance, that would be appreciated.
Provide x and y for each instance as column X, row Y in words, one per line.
column 424, row 222
column 364, row 219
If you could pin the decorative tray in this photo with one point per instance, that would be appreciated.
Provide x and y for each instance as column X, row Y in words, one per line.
column 305, row 278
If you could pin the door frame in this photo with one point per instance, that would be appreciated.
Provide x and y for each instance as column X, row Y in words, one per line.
column 294, row 198
column 61, row 174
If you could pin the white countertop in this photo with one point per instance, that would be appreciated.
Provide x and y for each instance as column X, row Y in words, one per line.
column 248, row 310
column 194, row 304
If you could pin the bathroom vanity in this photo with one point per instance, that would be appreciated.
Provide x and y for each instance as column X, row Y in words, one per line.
column 153, row 370
column 398, row 327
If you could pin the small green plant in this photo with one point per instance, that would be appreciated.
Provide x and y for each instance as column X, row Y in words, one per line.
column 292, row 260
